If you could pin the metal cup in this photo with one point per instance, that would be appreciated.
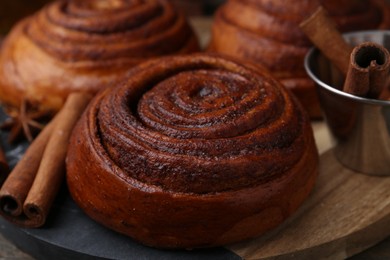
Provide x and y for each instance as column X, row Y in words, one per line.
column 359, row 126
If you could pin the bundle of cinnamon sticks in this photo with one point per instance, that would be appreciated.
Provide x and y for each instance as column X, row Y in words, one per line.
column 366, row 67
column 30, row 189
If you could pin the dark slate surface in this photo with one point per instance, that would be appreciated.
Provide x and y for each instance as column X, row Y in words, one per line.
column 70, row 233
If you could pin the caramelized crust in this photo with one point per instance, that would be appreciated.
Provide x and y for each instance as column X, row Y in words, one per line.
column 192, row 151
column 86, row 46
column 267, row 32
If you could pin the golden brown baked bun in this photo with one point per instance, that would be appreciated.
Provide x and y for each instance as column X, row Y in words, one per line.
column 267, row 32
column 192, row 151
column 86, row 45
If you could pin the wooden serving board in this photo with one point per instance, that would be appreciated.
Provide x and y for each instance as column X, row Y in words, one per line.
column 347, row 213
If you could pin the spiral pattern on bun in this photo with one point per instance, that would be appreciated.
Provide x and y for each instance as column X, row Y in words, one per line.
column 86, row 45
column 267, row 32
column 186, row 134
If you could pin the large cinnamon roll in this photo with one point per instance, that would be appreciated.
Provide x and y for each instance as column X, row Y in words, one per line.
column 192, row 151
column 85, row 46
column 267, row 32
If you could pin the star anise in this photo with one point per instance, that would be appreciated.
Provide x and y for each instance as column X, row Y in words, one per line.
column 25, row 122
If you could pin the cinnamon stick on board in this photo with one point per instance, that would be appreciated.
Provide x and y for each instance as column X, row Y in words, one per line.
column 368, row 70
column 30, row 189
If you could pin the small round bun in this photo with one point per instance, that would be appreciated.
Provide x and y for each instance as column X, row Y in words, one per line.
column 86, row 46
column 192, row 151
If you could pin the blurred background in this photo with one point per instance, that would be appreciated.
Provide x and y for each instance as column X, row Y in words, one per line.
column 13, row 10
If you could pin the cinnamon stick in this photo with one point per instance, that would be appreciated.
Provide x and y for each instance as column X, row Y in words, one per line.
column 368, row 70
column 30, row 189
column 323, row 33
column 16, row 187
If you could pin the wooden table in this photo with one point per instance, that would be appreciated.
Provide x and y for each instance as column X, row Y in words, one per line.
column 9, row 251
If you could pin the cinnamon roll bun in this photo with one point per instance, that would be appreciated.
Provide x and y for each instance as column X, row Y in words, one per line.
column 86, row 46
column 192, row 151
column 267, row 32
